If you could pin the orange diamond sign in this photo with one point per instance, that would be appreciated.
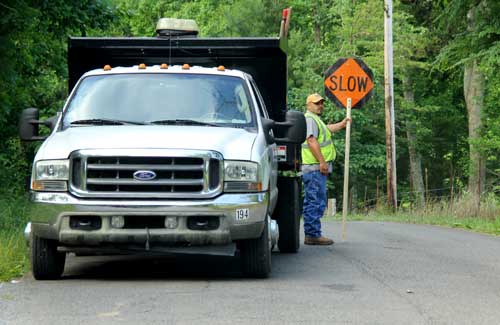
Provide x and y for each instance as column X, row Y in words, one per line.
column 349, row 78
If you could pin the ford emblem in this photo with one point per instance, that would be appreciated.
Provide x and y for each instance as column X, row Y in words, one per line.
column 144, row 175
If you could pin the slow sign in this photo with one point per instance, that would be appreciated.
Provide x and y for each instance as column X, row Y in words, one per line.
column 348, row 84
column 349, row 78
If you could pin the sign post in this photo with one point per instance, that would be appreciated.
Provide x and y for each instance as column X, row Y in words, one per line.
column 348, row 84
column 345, row 197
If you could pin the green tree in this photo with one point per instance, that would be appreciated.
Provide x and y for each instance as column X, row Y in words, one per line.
column 33, row 72
column 473, row 45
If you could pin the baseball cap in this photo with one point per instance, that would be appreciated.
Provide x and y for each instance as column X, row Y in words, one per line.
column 314, row 98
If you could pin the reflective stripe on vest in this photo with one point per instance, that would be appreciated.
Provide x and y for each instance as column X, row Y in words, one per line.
column 325, row 143
column 321, row 145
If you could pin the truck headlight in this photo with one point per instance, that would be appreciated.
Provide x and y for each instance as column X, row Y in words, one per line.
column 50, row 175
column 241, row 176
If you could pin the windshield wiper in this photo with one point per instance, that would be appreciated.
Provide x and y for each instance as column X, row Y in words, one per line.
column 181, row 122
column 99, row 121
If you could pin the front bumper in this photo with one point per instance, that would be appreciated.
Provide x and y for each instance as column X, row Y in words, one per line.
column 51, row 215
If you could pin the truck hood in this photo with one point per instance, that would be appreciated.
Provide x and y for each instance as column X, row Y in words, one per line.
column 232, row 143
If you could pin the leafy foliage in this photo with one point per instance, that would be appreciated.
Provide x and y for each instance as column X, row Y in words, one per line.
column 33, row 72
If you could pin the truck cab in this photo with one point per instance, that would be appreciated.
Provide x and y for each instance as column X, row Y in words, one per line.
column 167, row 145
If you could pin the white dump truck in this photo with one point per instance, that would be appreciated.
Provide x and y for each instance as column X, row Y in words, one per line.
column 168, row 144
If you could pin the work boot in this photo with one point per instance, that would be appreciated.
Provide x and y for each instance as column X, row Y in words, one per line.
column 318, row 241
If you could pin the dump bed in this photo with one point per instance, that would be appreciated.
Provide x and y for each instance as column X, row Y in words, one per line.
column 264, row 58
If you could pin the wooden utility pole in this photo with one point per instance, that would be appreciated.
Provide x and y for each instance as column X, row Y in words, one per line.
column 390, row 138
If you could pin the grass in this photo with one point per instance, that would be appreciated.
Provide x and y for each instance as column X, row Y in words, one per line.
column 457, row 214
column 14, row 261
column 487, row 226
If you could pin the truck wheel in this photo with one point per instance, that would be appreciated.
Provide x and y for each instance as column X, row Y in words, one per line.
column 289, row 226
column 289, row 222
column 256, row 254
column 46, row 262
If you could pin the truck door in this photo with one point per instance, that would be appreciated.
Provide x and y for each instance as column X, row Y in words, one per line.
column 271, row 149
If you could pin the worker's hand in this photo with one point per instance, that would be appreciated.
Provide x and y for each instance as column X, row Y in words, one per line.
column 339, row 125
column 323, row 168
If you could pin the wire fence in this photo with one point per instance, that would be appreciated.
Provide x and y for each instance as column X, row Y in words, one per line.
column 437, row 200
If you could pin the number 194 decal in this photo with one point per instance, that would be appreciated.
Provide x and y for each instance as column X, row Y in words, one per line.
column 242, row 214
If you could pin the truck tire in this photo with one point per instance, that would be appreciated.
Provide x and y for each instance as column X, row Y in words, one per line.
column 46, row 262
column 256, row 254
column 289, row 216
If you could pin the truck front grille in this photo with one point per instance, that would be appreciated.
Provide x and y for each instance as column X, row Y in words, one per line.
column 169, row 174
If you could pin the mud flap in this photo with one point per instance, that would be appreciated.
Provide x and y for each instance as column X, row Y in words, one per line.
column 287, row 213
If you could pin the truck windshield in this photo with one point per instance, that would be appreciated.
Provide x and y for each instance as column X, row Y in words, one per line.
column 192, row 99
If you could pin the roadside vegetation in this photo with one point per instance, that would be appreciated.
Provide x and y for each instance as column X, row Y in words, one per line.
column 447, row 137
column 14, row 260
column 456, row 214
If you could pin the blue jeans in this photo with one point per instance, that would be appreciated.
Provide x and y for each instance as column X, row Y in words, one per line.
column 314, row 202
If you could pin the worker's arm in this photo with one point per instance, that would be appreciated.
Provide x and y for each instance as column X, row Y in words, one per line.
column 338, row 126
column 316, row 151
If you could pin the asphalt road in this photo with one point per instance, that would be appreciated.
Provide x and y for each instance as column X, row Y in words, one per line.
column 384, row 273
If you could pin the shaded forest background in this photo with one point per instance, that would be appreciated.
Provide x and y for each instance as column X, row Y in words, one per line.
column 447, row 90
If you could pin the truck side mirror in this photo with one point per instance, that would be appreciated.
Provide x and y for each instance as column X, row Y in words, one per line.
column 29, row 124
column 293, row 128
column 267, row 125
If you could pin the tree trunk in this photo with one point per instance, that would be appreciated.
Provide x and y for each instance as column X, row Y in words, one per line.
column 317, row 24
column 416, row 178
column 415, row 165
column 473, row 93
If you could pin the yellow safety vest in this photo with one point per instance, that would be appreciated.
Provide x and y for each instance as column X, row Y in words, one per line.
column 325, row 143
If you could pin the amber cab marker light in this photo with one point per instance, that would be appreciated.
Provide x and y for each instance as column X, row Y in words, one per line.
column 142, row 66
column 185, row 66
column 164, row 66
column 107, row 67
column 37, row 186
column 221, row 68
